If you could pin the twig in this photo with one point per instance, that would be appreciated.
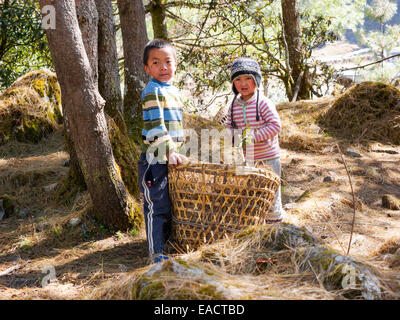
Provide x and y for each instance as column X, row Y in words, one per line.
column 201, row 29
column 369, row 64
column 332, row 230
column 316, row 275
column 354, row 200
column 297, row 87
column 9, row 270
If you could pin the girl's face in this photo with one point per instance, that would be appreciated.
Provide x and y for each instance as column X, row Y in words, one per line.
column 161, row 64
column 245, row 85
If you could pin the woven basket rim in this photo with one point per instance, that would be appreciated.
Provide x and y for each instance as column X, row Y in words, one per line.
column 238, row 170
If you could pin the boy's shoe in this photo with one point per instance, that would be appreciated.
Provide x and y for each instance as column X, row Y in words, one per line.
column 270, row 221
column 275, row 217
column 160, row 258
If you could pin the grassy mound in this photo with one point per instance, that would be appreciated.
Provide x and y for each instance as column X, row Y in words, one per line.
column 31, row 108
column 368, row 111
column 300, row 132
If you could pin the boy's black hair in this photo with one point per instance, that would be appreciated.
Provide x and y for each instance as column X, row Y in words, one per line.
column 156, row 44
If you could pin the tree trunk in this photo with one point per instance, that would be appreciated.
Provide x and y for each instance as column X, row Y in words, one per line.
column 134, row 35
column 109, row 79
column 84, row 109
column 158, row 19
column 3, row 31
column 292, row 35
column 88, row 20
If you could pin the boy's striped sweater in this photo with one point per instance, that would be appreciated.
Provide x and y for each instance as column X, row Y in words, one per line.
column 266, row 130
column 162, row 118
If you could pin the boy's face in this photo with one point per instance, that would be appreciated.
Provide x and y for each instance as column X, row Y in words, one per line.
column 161, row 64
column 245, row 85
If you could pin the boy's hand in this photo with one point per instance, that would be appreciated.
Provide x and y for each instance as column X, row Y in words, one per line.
column 175, row 159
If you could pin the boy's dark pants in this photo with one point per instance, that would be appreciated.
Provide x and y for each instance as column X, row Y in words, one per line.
column 153, row 183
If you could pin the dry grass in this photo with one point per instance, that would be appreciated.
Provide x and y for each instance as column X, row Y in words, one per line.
column 300, row 131
column 107, row 266
column 368, row 111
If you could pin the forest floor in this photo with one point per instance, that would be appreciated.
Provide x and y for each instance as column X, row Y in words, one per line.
column 40, row 242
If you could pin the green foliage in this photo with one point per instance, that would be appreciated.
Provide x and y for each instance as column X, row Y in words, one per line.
column 23, row 44
column 342, row 14
column 211, row 34
column 381, row 10
column 382, row 42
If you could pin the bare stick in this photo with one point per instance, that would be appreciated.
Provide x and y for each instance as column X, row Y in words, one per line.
column 354, row 200
column 370, row 64
column 9, row 270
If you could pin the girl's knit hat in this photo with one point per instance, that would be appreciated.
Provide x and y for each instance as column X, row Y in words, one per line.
column 245, row 66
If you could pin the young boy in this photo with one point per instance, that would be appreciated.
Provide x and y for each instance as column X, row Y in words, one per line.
column 259, row 121
column 162, row 134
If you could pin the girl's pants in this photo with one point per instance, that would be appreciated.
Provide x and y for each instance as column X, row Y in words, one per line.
column 153, row 183
column 276, row 211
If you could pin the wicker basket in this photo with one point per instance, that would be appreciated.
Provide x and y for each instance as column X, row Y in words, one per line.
column 212, row 200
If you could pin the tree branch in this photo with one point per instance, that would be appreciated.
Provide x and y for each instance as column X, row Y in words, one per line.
column 370, row 64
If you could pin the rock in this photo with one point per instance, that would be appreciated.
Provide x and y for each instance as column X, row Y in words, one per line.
column 74, row 222
column 42, row 226
column 329, row 179
column 2, row 213
column 8, row 206
column 122, row 268
column 281, row 237
column 353, row 153
column 390, row 202
column 290, row 236
column 50, row 187
column 338, row 272
column 290, row 205
column 177, row 279
column 22, row 213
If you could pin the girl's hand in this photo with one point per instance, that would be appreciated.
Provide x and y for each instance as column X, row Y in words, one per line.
column 248, row 135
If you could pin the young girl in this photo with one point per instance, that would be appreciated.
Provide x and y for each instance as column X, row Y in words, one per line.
column 259, row 121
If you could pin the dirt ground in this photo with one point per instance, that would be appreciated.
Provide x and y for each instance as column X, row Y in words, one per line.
column 45, row 256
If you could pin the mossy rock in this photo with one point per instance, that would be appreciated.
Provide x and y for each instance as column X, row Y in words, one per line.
column 281, row 236
column 390, row 202
column 30, row 108
column 284, row 242
column 178, row 280
column 338, row 272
